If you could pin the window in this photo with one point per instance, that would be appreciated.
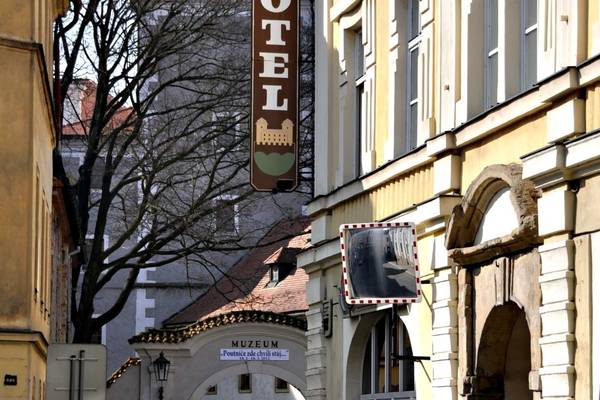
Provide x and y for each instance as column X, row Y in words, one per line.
column 281, row 386
column 274, row 274
column 89, row 244
column 361, row 108
column 226, row 216
column 491, row 53
column 404, row 96
column 501, row 47
column 387, row 367
column 98, row 173
column 36, row 262
column 528, row 43
column 278, row 272
column 412, row 75
column 211, row 390
column 245, row 383
column 227, row 128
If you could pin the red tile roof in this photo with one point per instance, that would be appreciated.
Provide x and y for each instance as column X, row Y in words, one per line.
column 130, row 362
column 181, row 334
column 87, row 90
column 245, row 285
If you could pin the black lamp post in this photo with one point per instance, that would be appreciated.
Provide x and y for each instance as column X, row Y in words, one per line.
column 161, row 372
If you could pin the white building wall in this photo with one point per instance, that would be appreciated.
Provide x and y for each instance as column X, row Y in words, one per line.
column 143, row 303
column 263, row 388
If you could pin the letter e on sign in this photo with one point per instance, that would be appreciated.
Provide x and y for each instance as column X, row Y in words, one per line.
column 274, row 123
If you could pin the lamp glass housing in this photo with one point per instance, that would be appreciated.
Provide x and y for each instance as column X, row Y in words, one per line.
column 161, row 368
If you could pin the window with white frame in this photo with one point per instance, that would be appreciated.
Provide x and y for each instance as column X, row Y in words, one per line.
column 412, row 51
column 273, row 275
column 404, row 97
column 361, row 106
column 388, row 371
column 510, row 49
column 528, row 43
column 490, row 36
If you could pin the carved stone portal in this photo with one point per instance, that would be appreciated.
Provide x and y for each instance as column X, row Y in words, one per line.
column 499, row 295
column 467, row 216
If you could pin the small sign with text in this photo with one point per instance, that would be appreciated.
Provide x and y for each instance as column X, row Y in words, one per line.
column 254, row 355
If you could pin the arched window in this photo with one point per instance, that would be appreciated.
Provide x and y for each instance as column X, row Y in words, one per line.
column 387, row 367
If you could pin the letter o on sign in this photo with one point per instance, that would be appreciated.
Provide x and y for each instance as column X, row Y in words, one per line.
column 283, row 5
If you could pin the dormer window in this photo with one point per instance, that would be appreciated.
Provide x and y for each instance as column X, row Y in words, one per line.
column 278, row 272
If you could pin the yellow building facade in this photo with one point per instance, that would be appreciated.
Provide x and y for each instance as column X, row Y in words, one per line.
column 26, row 142
column 479, row 121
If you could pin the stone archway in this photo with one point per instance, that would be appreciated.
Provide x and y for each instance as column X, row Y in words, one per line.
column 504, row 356
column 498, row 291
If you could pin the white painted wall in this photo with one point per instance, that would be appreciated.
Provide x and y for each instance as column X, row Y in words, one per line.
column 499, row 219
column 142, row 303
column 263, row 388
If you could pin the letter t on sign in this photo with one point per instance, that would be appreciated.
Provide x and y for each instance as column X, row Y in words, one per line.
column 275, row 31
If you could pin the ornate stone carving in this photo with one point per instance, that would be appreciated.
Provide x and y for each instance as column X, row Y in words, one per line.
column 467, row 216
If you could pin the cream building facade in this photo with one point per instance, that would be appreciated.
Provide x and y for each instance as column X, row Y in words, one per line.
column 26, row 142
column 479, row 121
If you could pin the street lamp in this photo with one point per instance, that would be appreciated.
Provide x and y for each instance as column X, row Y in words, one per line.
column 161, row 372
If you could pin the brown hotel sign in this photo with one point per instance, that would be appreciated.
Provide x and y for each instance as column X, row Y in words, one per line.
column 274, row 150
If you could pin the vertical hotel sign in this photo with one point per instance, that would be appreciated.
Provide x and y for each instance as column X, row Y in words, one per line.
column 274, row 150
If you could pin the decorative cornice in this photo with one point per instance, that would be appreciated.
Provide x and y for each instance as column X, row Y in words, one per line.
column 179, row 335
column 131, row 362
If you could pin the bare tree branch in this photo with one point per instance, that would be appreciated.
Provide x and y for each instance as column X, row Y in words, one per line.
column 163, row 138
